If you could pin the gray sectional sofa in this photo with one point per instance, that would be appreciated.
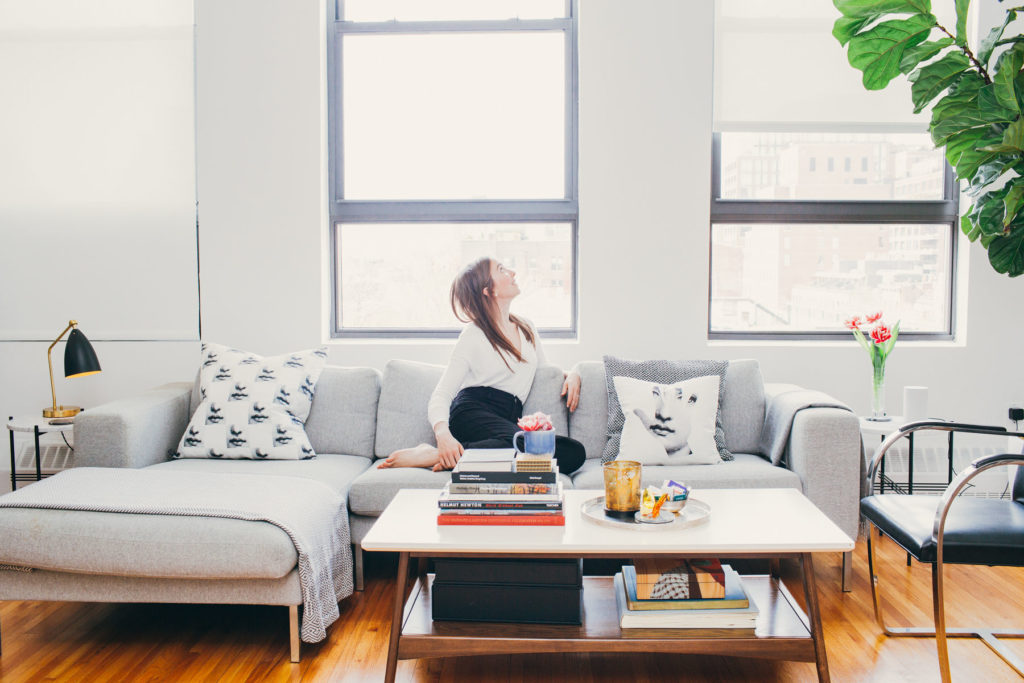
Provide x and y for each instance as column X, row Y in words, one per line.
column 358, row 415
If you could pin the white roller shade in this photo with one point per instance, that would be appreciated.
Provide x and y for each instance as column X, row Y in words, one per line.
column 777, row 67
column 97, row 169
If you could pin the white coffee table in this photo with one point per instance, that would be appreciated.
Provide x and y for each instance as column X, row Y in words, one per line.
column 758, row 523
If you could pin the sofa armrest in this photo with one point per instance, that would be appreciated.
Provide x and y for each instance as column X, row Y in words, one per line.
column 824, row 450
column 133, row 432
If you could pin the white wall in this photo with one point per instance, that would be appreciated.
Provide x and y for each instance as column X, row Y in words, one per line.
column 645, row 129
column 97, row 195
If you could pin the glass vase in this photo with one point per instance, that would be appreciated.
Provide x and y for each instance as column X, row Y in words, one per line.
column 878, row 393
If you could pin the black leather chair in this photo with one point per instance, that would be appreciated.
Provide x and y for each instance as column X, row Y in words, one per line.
column 976, row 531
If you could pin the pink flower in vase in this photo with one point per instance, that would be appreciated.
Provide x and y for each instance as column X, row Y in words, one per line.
column 852, row 323
column 873, row 317
column 880, row 334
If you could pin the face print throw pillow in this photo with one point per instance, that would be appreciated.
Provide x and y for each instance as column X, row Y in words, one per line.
column 669, row 424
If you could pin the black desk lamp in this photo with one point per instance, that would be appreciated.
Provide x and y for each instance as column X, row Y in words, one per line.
column 79, row 360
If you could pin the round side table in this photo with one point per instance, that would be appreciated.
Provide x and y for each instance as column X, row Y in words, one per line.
column 36, row 426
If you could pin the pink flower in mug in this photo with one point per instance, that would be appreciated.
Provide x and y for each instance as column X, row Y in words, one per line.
column 535, row 423
column 852, row 323
column 880, row 334
column 873, row 317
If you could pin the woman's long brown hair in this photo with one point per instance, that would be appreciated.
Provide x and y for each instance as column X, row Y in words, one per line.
column 467, row 295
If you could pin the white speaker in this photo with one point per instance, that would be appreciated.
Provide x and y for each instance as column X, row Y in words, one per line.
column 915, row 403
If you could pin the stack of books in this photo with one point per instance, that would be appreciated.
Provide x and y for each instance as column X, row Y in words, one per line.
column 698, row 595
column 487, row 489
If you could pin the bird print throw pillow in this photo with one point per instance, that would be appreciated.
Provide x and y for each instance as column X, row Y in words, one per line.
column 253, row 407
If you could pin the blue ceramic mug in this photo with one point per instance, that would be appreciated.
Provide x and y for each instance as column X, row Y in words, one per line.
column 540, row 442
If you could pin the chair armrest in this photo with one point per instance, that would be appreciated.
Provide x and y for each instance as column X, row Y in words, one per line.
column 824, row 450
column 932, row 425
column 976, row 467
column 133, row 432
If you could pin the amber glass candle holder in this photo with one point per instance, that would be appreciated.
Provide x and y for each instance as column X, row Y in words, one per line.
column 622, row 488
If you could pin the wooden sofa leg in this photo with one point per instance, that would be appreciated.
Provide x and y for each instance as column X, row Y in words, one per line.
column 847, row 571
column 357, row 557
column 293, row 632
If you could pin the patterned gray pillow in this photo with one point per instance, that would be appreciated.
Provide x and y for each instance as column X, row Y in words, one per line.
column 662, row 372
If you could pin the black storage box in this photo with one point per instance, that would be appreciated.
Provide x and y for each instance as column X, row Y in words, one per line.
column 523, row 572
column 534, row 591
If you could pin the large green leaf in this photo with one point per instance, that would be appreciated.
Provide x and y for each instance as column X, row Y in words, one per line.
column 1007, row 67
column 963, row 153
column 1006, row 253
column 961, row 21
column 1012, row 142
column 987, row 213
column 967, row 119
column 969, row 228
column 988, row 44
column 921, row 53
column 987, row 173
column 931, row 80
column 879, row 50
column 847, row 27
column 1013, row 201
column 867, row 8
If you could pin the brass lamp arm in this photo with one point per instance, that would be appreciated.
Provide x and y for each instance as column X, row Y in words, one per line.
column 49, row 360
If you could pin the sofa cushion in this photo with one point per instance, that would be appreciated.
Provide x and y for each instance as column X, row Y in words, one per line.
column 545, row 397
column 343, row 418
column 373, row 489
column 663, row 372
column 743, row 405
column 165, row 546
column 402, row 411
column 252, row 407
column 669, row 424
column 745, row 471
column 407, row 385
column 588, row 424
column 337, row 471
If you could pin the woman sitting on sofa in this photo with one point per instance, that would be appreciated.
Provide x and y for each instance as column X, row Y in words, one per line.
column 480, row 395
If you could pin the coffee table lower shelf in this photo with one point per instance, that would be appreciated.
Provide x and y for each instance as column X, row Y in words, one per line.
column 782, row 631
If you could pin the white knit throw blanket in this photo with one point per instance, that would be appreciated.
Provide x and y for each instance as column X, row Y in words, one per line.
column 313, row 514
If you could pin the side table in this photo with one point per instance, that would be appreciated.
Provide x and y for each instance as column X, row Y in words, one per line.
column 35, row 425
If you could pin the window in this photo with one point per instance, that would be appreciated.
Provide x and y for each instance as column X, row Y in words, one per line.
column 796, row 254
column 453, row 136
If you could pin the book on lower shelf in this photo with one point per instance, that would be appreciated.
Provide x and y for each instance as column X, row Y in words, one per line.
column 673, row 578
column 734, row 596
column 728, row 618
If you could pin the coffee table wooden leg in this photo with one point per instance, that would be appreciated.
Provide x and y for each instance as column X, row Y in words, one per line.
column 396, row 618
column 811, row 593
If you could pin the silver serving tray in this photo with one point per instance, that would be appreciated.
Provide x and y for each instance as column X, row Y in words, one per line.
column 693, row 513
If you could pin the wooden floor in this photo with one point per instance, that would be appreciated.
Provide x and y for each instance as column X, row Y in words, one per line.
column 44, row 641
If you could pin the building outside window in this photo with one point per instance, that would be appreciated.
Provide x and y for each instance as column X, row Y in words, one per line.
column 795, row 254
column 452, row 136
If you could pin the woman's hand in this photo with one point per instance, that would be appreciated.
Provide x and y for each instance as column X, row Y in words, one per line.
column 571, row 390
column 449, row 450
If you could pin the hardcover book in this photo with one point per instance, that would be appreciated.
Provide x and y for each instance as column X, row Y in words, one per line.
column 498, row 505
column 734, row 597
column 486, row 460
column 674, row 578
column 731, row 618
column 500, row 520
column 507, row 477
column 553, row 496
column 502, row 489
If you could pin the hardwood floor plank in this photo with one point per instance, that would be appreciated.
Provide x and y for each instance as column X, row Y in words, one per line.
column 127, row 642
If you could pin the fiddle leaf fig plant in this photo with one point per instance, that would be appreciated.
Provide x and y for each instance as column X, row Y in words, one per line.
column 976, row 115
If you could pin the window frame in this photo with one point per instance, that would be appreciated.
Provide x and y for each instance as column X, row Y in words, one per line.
column 901, row 212
column 498, row 211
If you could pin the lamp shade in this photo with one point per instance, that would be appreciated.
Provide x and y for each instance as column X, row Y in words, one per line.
column 79, row 356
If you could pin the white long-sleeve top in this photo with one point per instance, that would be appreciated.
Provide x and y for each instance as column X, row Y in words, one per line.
column 475, row 363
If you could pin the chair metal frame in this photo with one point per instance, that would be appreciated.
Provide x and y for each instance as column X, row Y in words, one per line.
column 940, row 632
